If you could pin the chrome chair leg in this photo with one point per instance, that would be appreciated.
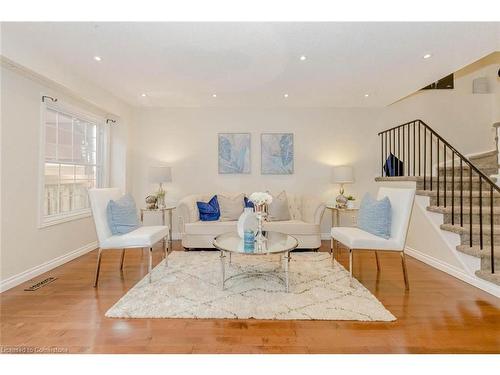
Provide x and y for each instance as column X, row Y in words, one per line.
column 150, row 263
column 98, row 267
column 405, row 271
column 378, row 263
column 121, row 260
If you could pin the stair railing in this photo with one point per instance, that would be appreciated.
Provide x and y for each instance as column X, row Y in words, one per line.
column 419, row 148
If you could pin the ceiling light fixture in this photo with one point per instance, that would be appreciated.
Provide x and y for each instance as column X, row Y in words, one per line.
column 367, row 95
column 286, row 95
column 302, row 58
column 143, row 95
column 427, row 55
column 97, row 58
column 214, row 95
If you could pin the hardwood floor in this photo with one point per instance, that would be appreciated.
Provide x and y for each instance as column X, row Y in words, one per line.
column 439, row 314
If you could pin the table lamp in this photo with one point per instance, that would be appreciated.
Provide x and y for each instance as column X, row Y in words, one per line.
column 160, row 175
column 342, row 174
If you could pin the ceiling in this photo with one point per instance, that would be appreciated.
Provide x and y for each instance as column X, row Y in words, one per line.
column 255, row 64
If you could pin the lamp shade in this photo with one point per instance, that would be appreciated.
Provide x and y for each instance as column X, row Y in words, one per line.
column 342, row 174
column 160, row 174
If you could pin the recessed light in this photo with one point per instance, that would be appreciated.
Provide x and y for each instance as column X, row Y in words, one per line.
column 143, row 95
column 97, row 58
column 427, row 55
column 214, row 95
column 367, row 95
column 302, row 58
column 286, row 95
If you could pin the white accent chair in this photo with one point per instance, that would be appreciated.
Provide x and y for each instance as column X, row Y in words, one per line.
column 145, row 236
column 357, row 239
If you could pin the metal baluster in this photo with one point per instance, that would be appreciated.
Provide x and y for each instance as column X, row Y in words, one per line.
column 470, row 206
column 404, row 157
column 438, row 172
column 480, row 213
column 425, row 158
column 381, row 155
column 409, row 170
column 413, row 149
column 399, row 151
column 453, row 188
column 461, row 194
column 419, row 149
column 445, row 173
column 430, row 167
column 491, row 229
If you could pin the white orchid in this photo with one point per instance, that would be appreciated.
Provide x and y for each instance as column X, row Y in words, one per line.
column 260, row 198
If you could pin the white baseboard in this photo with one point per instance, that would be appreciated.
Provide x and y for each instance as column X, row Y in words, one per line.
column 44, row 267
column 455, row 272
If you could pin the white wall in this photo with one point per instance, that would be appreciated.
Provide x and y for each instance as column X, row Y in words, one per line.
column 27, row 250
column 186, row 139
column 464, row 119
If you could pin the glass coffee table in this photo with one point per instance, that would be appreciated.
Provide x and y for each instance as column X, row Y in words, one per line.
column 274, row 243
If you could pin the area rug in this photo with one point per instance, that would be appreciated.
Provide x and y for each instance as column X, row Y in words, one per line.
column 190, row 287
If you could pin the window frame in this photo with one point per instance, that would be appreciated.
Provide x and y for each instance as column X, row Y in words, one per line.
column 102, row 160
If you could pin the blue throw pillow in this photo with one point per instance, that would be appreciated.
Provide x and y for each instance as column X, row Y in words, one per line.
column 122, row 215
column 375, row 217
column 209, row 211
column 248, row 203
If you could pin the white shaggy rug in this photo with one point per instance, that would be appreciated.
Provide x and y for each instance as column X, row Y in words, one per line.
column 190, row 287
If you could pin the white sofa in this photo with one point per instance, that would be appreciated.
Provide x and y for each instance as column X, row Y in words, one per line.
column 305, row 213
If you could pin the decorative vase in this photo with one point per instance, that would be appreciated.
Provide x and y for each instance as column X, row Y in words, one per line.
column 350, row 204
column 247, row 222
column 260, row 212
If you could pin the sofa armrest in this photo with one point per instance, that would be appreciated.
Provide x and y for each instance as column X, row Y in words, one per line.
column 187, row 211
column 312, row 210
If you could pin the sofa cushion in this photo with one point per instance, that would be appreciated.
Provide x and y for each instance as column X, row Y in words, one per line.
column 210, row 227
column 122, row 215
column 292, row 227
column 278, row 209
column 231, row 207
column 209, row 211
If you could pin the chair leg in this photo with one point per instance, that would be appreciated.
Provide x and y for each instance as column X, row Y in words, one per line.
column 334, row 248
column 122, row 258
column 165, row 252
column 150, row 263
column 98, row 267
column 331, row 245
column 350, row 263
column 405, row 271
column 378, row 263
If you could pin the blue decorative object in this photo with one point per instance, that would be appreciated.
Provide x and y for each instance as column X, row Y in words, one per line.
column 393, row 166
column 122, row 215
column 375, row 216
column 249, row 241
column 277, row 153
column 248, row 203
column 209, row 211
column 234, row 153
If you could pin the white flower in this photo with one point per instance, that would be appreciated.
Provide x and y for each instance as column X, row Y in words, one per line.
column 259, row 198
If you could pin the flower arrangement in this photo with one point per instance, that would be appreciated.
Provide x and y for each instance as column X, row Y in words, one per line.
column 260, row 198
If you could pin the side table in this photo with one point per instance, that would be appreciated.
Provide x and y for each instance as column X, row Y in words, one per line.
column 164, row 211
column 336, row 217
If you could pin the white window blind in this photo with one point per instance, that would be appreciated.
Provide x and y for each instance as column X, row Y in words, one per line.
column 74, row 154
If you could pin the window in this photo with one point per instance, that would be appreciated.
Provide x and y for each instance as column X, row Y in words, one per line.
column 74, row 156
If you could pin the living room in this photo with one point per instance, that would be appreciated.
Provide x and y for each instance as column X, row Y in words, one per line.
column 250, row 187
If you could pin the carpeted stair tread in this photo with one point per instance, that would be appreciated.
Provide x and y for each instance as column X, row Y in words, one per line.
column 466, row 193
column 475, row 229
column 465, row 209
column 476, row 251
column 488, row 276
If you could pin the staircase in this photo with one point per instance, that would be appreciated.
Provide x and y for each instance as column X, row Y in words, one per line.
column 459, row 188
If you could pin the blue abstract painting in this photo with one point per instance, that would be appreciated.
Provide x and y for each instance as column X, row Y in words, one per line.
column 277, row 153
column 234, row 153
